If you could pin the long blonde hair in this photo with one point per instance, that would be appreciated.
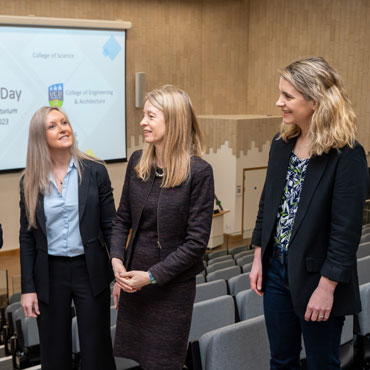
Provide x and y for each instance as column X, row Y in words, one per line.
column 182, row 138
column 333, row 123
column 39, row 164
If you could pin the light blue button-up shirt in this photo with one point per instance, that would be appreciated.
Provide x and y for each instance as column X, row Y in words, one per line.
column 62, row 217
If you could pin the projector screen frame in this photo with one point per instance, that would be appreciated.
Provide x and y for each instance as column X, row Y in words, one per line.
column 70, row 23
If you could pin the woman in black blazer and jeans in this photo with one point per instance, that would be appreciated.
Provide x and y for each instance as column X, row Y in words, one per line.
column 309, row 221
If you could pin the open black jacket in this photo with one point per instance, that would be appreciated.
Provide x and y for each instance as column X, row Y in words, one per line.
column 96, row 212
column 327, row 227
column 184, row 221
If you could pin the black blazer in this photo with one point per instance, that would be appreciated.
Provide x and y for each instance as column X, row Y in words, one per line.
column 96, row 211
column 1, row 236
column 327, row 227
column 184, row 221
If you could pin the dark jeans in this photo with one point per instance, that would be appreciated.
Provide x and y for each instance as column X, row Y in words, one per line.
column 284, row 327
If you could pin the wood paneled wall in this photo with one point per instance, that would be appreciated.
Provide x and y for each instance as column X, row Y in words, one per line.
column 199, row 46
column 283, row 30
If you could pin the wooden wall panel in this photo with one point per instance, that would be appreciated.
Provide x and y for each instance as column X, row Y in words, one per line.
column 283, row 30
column 196, row 45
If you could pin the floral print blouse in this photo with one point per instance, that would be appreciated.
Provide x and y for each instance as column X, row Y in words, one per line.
column 289, row 200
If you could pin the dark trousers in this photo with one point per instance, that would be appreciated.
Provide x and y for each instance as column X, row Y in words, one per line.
column 68, row 279
column 284, row 327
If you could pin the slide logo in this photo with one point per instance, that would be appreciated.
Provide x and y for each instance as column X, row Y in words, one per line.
column 56, row 95
column 111, row 48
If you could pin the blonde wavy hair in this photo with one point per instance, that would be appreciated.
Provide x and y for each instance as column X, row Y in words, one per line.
column 38, row 164
column 333, row 123
column 182, row 139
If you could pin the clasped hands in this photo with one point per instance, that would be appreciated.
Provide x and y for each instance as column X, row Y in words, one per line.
column 129, row 281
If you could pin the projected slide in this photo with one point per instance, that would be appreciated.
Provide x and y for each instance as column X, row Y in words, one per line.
column 80, row 70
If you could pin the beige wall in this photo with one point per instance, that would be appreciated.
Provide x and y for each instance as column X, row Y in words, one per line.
column 283, row 30
column 223, row 53
column 197, row 45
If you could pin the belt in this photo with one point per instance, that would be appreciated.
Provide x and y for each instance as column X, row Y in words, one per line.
column 280, row 254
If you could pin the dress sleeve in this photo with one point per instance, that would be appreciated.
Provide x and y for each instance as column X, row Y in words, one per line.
column 197, row 231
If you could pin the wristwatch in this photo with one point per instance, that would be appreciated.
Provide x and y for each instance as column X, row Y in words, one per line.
column 152, row 280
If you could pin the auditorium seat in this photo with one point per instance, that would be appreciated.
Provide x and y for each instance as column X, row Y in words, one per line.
column 245, row 259
column 363, row 331
column 244, row 253
column 363, row 250
column 210, row 290
column 249, row 304
column 113, row 316
column 247, row 267
column 199, row 279
column 227, row 257
column 215, row 254
column 363, row 269
column 9, row 328
column 220, row 265
column 16, row 297
column 240, row 248
column 225, row 273
column 239, row 283
column 240, row 346
column 365, row 237
column 211, row 314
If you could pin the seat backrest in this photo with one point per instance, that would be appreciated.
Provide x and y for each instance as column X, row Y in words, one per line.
column 113, row 315
column 239, row 283
column 199, row 279
column 220, row 265
column 30, row 332
column 16, row 297
column 12, row 308
column 215, row 254
column 247, row 267
column 240, row 248
column 244, row 253
column 364, row 315
column 224, row 274
column 245, row 259
column 210, row 290
column 363, row 250
column 227, row 257
column 9, row 312
column 363, row 269
column 211, row 314
column 365, row 237
column 75, row 338
column 243, row 345
column 18, row 314
column 249, row 304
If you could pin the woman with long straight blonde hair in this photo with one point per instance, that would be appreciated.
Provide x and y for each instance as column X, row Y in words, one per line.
column 309, row 221
column 67, row 209
column 167, row 201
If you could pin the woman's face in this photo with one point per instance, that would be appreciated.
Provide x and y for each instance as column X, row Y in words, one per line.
column 295, row 108
column 59, row 134
column 153, row 124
